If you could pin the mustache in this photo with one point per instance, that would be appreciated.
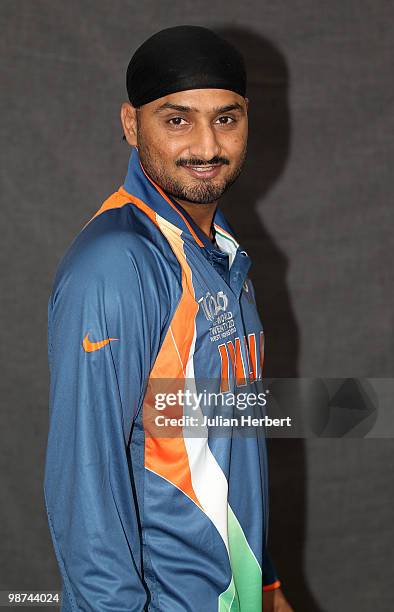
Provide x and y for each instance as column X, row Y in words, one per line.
column 201, row 162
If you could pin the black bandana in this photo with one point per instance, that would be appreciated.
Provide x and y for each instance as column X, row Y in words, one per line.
column 181, row 58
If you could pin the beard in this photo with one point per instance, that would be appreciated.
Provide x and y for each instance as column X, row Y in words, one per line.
column 204, row 191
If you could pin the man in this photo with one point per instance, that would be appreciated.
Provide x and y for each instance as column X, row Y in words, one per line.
column 151, row 299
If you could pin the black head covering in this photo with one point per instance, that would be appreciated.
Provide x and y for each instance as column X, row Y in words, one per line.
column 181, row 58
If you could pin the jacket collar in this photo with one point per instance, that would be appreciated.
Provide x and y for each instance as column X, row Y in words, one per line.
column 139, row 184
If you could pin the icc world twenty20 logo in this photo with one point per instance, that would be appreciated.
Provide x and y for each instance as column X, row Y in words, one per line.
column 213, row 305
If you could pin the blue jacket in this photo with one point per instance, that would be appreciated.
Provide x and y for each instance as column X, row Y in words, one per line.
column 146, row 511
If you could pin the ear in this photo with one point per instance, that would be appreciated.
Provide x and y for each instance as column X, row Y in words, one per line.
column 247, row 103
column 128, row 118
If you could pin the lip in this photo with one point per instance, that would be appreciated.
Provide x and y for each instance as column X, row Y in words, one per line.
column 206, row 173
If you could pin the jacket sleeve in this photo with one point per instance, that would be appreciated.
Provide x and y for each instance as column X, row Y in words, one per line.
column 102, row 336
column 270, row 576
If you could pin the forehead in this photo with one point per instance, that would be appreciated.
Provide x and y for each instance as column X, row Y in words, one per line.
column 196, row 100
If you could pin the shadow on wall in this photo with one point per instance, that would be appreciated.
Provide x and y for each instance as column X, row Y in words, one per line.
column 268, row 151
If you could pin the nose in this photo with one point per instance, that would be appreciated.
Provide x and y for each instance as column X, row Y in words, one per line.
column 204, row 145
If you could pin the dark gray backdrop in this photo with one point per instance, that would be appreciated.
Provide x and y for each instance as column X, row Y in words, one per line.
column 313, row 207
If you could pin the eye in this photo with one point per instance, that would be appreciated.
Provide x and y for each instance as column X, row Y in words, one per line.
column 176, row 120
column 232, row 120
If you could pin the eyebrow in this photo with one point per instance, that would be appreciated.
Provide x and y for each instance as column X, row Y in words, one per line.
column 188, row 109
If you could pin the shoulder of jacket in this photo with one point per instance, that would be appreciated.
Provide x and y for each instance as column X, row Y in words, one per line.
column 121, row 258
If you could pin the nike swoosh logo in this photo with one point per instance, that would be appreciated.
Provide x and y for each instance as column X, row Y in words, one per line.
column 95, row 346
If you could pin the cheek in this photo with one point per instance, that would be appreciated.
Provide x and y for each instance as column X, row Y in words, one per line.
column 235, row 152
column 162, row 147
column 235, row 143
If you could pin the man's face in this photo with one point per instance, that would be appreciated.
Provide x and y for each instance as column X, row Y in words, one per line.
column 193, row 143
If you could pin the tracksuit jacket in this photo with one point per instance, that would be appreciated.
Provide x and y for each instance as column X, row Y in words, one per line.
column 143, row 301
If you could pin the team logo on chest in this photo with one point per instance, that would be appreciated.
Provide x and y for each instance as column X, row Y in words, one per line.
column 215, row 310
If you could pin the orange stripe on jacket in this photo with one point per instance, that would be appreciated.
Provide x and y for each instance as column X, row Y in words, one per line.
column 118, row 199
column 167, row 456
